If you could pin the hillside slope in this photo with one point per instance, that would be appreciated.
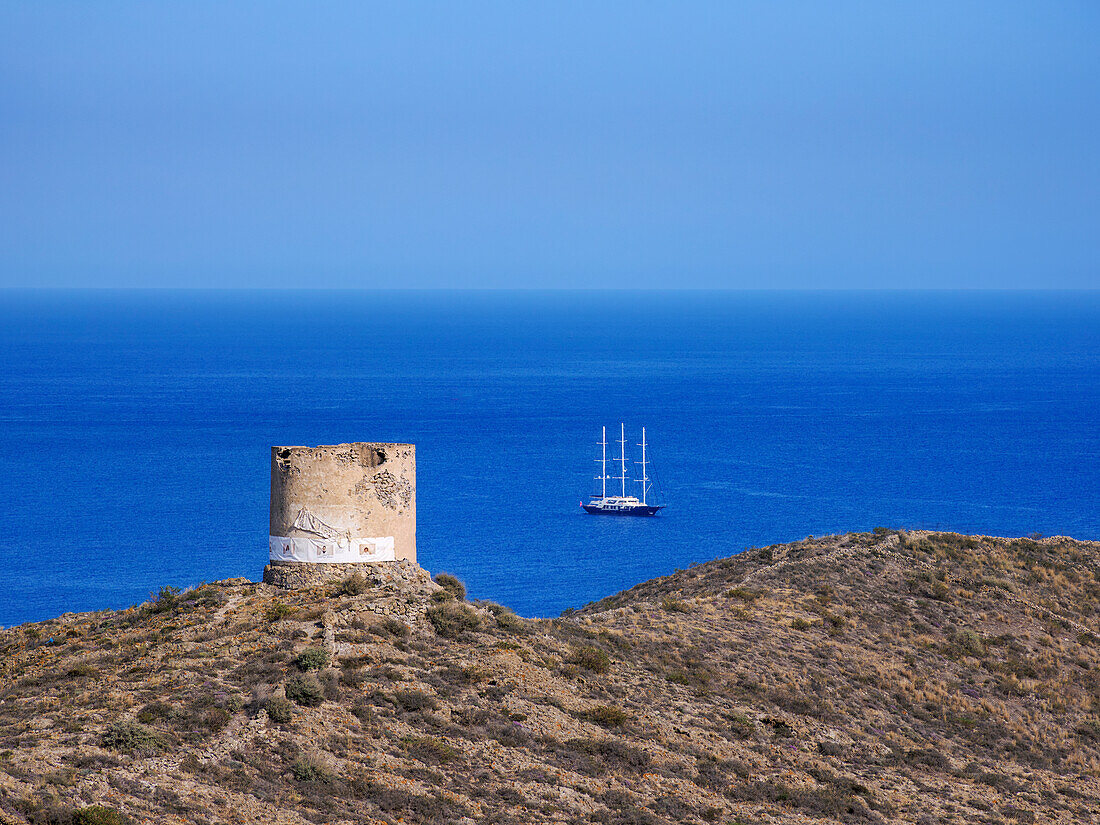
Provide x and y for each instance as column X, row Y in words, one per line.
column 885, row 677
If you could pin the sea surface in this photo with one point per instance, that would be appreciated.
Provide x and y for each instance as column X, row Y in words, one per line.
column 136, row 426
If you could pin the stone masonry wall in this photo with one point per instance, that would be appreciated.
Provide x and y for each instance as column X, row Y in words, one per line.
column 401, row 589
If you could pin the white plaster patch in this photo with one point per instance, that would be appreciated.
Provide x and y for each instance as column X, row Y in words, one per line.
column 281, row 548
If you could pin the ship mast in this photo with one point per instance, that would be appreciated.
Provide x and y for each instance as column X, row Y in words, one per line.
column 645, row 478
column 603, row 466
column 622, row 443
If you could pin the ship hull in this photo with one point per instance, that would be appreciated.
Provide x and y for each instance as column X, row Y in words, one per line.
column 635, row 510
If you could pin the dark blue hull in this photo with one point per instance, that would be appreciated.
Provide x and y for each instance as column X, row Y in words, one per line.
column 637, row 510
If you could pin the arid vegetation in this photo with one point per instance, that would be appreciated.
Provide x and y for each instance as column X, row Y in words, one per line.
column 879, row 677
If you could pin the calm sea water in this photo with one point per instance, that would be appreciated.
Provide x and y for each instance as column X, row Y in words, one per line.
column 136, row 426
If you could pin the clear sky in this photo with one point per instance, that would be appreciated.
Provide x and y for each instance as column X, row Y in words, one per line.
column 638, row 144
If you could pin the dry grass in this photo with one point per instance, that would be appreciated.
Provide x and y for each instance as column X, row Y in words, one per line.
column 882, row 677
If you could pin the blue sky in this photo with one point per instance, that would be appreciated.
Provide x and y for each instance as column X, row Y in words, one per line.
column 732, row 145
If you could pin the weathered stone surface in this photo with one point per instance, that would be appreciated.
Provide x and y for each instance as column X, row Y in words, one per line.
column 401, row 575
column 365, row 489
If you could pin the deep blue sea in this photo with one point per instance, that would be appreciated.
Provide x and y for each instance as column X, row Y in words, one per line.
column 136, row 426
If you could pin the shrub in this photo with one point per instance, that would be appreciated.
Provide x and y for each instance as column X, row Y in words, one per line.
column 505, row 618
column 741, row 725
column 590, row 658
column 780, row 727
column 276, row 611
column 205, row 595
column 673, row 808
column 929, row 757
column 607, row 716
column 451, row 584
column 412, row 700
column 98, row 815
column 213, row 718
column 509, row 621
column 305, row 690
column 970, row 642
column 354, row 585
column 429, row 750
column 313, row 658
column 742, row 594
column 674, row 605
column 165, row 600
column 279, row 709
column 834, row 749
column 596, row 756
column 800, row 624
column 392, row 627
column 81, row 670
column 451, row 620
column 455, row 676
column 311, row 769
column 330, row 683
column 156, row 711
column 131, row 737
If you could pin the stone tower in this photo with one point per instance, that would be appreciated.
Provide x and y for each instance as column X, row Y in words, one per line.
column 343, row 504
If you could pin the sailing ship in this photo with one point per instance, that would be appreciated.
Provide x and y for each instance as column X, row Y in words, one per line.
column 621, row 505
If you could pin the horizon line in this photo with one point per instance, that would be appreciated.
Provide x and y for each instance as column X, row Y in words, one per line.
column 562, row 289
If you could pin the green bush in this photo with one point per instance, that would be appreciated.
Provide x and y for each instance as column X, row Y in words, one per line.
column 305, row 690
column 354, row 585
column 277, row 611
column 506, row 619
column 800, row 624
column 509, row 621
column 674, row 605
column 311, row 769
column 313, row 658
column 969, row 642
column 451, row 619
column 591, row 659
column 131, row 737
column 606, row 716
column 99, row 815
column 165, row 600
column 279, row 709
column 451, row 584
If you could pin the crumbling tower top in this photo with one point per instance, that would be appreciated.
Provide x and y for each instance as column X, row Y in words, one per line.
column 343, row 503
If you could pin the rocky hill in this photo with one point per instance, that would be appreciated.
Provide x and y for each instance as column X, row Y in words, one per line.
column 877, row 677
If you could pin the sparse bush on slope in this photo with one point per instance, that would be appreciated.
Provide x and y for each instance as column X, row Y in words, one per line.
column 451, row 585
column 452, row 619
